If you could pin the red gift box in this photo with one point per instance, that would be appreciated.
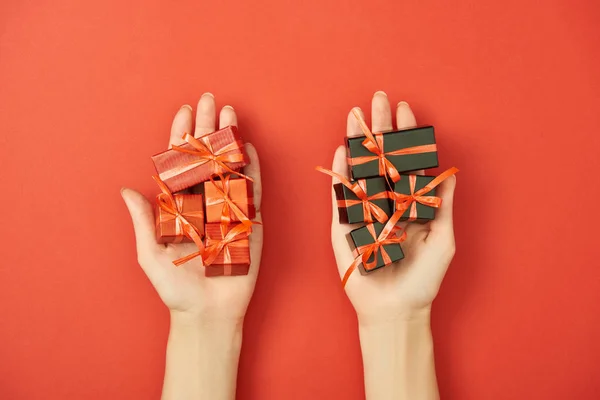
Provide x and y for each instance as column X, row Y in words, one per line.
column 227, row 250
column 169, row 225
column 198, row 159
column 229, row 200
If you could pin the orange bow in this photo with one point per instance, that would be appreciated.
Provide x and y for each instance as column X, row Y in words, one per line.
column 203, row 149
column 234, row 238
column 359, row 189
column 387, row 236
column 404, row 201
column 229, row 206
column 166, row 201
column 374, row 143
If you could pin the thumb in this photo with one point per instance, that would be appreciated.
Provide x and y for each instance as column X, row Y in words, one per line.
column 442, row 224
column 142, row 216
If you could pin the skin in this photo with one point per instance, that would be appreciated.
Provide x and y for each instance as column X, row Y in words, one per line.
column 393, row 304
column 207, row 314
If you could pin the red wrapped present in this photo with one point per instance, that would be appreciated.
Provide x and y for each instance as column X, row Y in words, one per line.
column 179, row 217
column 198, row 159
column 229, row 200
column 227, row 250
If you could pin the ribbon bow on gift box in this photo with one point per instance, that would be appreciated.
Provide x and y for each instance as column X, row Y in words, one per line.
column 370, row 209
column 172, row 208
column 205, row 153
column 233, row 238
column 374, row 143
column 387, row 236
column 229, row 206
column 404, row 201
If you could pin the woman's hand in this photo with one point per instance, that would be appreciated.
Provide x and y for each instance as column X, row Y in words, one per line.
column 407, row 287
column 184, row 289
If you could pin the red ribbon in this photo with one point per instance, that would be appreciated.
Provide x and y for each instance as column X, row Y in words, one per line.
column 233, row 238
column 374, row 143
column 359, row 189
column 166, row 201
column 404, row 201
column 229, row 206
column 387, row 236
column 202, row 148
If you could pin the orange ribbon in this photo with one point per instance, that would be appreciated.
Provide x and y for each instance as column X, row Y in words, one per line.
column 387, row 236
column 374, row 143
column 232, row 239
column 359, row 189
column 203, row 150
column 404, row 201
column 229, row 206
column 166, row 201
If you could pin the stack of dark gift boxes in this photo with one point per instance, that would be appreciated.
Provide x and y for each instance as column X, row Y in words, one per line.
column 382, row 191
column 218, row 219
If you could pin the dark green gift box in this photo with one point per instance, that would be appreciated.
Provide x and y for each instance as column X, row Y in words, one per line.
column 392, row 141
column 424, row 213
column 354, row 214
column 362, row 236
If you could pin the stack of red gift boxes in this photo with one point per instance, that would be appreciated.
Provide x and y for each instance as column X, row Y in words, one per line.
column 219, row 219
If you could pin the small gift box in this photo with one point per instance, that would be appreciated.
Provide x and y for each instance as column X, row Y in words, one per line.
column 382, row 154
column 170, row 222
column 365, row 200
column 227, row 250
column 406, row 196
column 229, row 199
column 198, row 159
column 380, row 249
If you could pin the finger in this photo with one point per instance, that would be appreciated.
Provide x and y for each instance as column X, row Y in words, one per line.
column 353, row 127
column 142, row 217
column 405, row 119
column 253, row 171
column 227, row 117
column 256, row 244
column 205, row 115
column 182, row 123
column 381, row 116
column 443, row 224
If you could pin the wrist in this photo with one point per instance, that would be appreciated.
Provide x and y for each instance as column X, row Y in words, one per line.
column 412, row 316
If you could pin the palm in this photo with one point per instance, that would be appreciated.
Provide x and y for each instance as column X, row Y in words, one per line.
column 185, row 288
column 411, row 283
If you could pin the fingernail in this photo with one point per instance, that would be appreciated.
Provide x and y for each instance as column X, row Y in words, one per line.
column 380, row 92
column 228, row 106
column 123, row 189
column 403, row 103
column 187, row 106
column 208, row 94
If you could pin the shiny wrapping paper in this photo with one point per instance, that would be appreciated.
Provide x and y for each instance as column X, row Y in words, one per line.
column 234, row 258
column 199, row 159
column 169, row 228
column 365, row 236
column 226, row 199
column 418, row 211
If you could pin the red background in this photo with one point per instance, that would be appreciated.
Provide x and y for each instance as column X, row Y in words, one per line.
column 87, row 93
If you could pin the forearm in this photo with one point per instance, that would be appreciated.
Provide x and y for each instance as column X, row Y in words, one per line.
column 398, row 358
column 202, row 359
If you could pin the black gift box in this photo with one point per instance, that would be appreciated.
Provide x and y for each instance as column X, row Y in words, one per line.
column 392, row 141
column 355, row 214
column 362, row 236
column 424, row 213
